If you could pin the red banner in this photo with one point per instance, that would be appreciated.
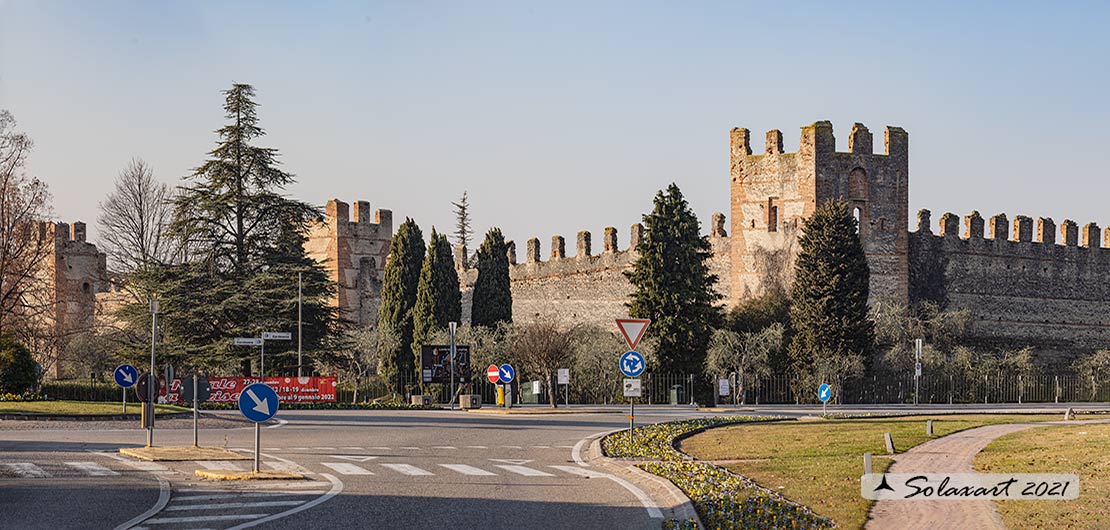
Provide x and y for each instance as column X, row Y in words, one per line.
column 289, row 389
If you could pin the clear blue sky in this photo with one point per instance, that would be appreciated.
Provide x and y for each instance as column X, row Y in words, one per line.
column 563, row 116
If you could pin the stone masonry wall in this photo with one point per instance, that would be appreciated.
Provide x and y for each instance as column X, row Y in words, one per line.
column 353, row 249
column 77, row 272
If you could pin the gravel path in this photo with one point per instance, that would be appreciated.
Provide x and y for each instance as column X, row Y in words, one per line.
column 954, row 453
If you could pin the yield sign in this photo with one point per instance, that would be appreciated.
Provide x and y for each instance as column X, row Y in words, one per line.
column 633, row 330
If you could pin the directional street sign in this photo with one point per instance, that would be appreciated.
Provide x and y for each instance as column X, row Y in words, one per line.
column 633, row 330
column 277, row 335
column 493, row 373
column 258, row 402
column 126, row 375
column 824, row 392
column 632, row 363
column 247, row 341
column 507, row 373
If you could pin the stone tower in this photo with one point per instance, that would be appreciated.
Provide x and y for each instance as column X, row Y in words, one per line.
column 353, row 251
column 774, row 192
column 75, row 271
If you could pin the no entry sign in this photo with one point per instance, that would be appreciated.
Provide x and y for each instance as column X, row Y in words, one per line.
column 493, row 374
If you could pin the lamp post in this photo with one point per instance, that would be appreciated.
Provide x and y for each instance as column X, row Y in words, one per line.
column 153, row 381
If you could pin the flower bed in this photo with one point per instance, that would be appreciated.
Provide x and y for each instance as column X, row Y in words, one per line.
column 656, row 442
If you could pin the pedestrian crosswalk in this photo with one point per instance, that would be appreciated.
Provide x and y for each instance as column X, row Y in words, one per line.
column 59, row 469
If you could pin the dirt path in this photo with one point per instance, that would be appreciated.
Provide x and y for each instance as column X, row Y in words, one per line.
column 954, row 453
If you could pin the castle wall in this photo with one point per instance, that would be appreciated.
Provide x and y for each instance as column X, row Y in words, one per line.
column 77, row 273
column 353, row 248
column 1022, row 290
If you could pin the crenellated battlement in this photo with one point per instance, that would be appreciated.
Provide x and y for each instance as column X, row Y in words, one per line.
column 1041, row 231
column 353, row 246
column 818, row 138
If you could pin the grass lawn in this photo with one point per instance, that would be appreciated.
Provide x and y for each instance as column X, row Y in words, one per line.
column 77, row 407
column 818, row 463
column 1080, row 449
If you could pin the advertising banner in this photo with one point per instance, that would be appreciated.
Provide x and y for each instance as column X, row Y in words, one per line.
column 289, row 389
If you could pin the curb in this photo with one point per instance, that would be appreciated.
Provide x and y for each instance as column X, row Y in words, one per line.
column 248, row 475
column 180, row 454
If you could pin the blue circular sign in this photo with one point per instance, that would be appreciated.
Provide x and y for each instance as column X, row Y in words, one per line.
column 258, row 402
column 632, row 363
column 507, row 373
column 824, row 392
column 126, row 375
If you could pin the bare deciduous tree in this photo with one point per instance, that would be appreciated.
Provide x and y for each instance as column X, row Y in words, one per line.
column 542, row 347
column 134, row 221
column 25, row 244
column 743, row 353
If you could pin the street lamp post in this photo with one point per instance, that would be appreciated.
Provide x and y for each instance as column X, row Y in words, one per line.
column 152, row 381
column 451, row 326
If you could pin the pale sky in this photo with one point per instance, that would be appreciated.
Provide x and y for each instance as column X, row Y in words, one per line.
column 563, row 116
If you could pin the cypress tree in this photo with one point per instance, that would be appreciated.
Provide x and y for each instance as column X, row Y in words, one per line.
column 493, row 299
column 402, row 274
column 438, row 299
column 829, row 313
column 673, row 285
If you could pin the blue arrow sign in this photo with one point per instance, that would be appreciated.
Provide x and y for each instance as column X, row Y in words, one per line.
column 824, row 392
column 632, row 363
column 507, row 373
column 258, row 402
column 126, row 375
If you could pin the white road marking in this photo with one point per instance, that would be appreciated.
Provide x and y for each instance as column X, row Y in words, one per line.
column 324, row 448
column 264, row 494
column 143, row 465
column 406, row 469
column 204, row 518
column 288, row 485
column 526, row 471
column 347, row 469
column 575, row 470
column 565, row 446
column 511, row 447
column 278, row 424
column 541, row 447
column 648, row 504
column 410, row 448
column 92, row 469
column 219, row 465
column 163, row 496
column 27, row 470
column 299, row 448
column 353, row 448
column 380, row 448
column 288, row 466
column 444, row 447
column 468, row 470
column 354, row 458
column 229, row 505
column 476, row 447
column 336, row 489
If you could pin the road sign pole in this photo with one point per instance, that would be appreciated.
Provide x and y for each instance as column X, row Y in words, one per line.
column 125, row 401
column 452, row 325
column 153, row 382
column 257, row 443
column 262, row 364
column 299, row 319
column 917, row 370
column 631, row 418
column 196, row 393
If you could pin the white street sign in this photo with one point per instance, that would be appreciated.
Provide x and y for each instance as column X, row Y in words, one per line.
column 631, row 388
column 277, row 335
column 917, row 370
column 535, row 387
column 241, row 341
column 564, row 376
column 722, row 387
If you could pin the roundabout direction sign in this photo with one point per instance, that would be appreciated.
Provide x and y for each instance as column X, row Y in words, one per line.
column 824, row 393
column 126, row 375
column 632, row 364
column 258, row 403
column 507, row 373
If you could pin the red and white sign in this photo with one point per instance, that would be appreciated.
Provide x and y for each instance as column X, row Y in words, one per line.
column 633, row 330
column 289, row 389
column 493, row 373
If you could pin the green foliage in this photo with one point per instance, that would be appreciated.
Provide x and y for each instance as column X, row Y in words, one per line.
column 462, row 222
column 438, row 298
column 898, row 325
column 746, row 354
column 831, row 329
column 18, row 371
column 757, row 314
column 402, row 276
column 493, row 300
column 673, row 285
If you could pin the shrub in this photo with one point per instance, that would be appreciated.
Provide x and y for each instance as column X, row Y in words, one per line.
column 18, row 370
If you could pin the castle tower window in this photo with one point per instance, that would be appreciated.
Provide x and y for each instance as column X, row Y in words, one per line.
column 85, row 287
column 773, row 214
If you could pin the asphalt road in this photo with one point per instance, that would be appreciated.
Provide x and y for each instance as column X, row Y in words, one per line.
column 364, row 469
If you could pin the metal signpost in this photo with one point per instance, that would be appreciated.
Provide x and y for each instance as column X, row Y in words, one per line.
column 632, row 363
column 506, row 374
column 824, row 393
column 252, row 341
column 196, row 389
column 564, row 379
column 916, row 369
column 148, row 407
column 451, row 327
column 126, row 377
column 270, row 335
column 258, row 403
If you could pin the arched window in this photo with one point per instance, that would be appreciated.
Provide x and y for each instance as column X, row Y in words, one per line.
column 773, row 214
column 857, row 185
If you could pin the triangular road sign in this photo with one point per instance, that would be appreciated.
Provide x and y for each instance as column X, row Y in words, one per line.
column 633, row 330
column 355, row 458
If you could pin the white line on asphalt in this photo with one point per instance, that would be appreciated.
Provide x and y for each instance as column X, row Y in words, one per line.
column 575, row 470
column 336, row 488
column 410, row 448
column 511, row 447
column 347, row 469
column 26, row 470
column 407, row 469
column 204, row 518
column 444, row 447
column 649, row 505
column 299, row 448
column 219, row 465
column 228, row 505
column 468, row 470
column 278, row 424
column 353, row 448
column 476, row 447
column 541, row 447
column 380, row 448
column 264, row 494
column 526, row 471
column 324, row 448
column 163, row 497
column 288, row 466
column 92, row 469
column 565, row 446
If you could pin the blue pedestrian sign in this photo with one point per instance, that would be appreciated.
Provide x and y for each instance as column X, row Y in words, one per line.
column 126, row 375
column 258, row 402
column 507, row 373
column 632, row 363
column 824, row 392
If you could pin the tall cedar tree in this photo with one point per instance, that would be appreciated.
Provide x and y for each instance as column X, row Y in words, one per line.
column 492, row 301
column 673, row 285
column 246, row 245
column 402, row 276
column 462, row 221
column 829, row 313
column 438, row 298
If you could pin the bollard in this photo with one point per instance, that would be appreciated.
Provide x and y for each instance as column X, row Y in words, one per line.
column 928, row 427
column 866, row 463
column 1069, row 414
column 889, row 443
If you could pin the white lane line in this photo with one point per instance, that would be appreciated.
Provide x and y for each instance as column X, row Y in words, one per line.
column 278, row 424
column 336, row 489
column 219, row 465
column 353, row 448
column 92, row 469
column 406, row 469
column 347, row 469
column 204, row 518
column 27, row 470
column 163, row 497
column 565, row 446
column 143, row 465
column 526, row 471
column 229, row 505
column 380, row 448
column 410, row 448
column 648, row 504
column 541, row 447
column 444, row 447
column 264, row 494
column 476, row 447
column 290, row 485
column 511, row 447
column 575, row 470
column 299, row 448
column 288, row 466
column 324, row 448
column 468, row 470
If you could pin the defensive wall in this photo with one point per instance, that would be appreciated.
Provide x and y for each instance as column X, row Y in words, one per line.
column 76, row 272
column 353, row 249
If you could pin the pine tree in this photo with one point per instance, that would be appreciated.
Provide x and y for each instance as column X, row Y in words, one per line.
column 438, row 299
column 493, row 299
column 402, row 275
column 832, row 332
column 246, row 244
column 462, row 222
column 673, row 285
